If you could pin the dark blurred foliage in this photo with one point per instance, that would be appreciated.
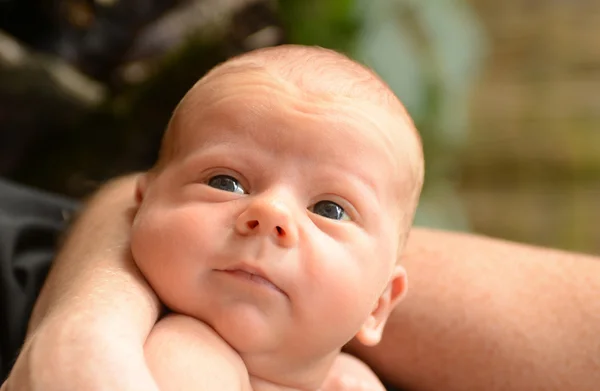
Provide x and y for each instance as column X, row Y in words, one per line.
column 90, row 94
column 94, row 36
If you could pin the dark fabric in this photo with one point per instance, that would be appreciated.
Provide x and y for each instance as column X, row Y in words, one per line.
column 30, row 224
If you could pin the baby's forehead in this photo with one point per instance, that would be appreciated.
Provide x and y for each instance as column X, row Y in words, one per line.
column 330, row 81
column 313, row 71
column 228, row 94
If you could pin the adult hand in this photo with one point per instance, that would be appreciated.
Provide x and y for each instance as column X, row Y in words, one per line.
column 95, row 311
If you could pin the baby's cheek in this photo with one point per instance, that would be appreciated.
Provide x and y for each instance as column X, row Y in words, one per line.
column 152, row 245
column 342, row 300
column 166, row 244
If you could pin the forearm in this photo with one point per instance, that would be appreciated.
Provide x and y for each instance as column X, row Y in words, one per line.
column 95, row 311
column 493, row 315
column 82, row 283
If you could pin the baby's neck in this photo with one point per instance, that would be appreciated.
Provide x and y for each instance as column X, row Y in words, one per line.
column 278, row 374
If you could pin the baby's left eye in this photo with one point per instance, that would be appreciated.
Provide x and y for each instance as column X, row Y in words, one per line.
column 330, row 210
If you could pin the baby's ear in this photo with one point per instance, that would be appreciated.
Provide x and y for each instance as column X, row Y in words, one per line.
column 371, row 331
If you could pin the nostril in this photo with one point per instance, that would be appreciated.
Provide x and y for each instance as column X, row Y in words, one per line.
column 280, row 230
column 252, row 224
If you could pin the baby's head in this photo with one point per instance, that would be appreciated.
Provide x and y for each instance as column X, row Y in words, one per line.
column 285, row 189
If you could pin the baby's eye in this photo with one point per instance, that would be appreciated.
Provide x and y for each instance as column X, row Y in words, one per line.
column 330, row 210
column 226, row 183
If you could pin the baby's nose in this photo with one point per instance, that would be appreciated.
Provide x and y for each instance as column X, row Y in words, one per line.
column 269, row 217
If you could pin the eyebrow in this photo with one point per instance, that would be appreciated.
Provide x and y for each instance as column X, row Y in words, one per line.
column 215, row 150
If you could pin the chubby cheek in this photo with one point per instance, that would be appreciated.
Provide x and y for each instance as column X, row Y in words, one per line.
column 341, row 291
column 346, row 279
column 170, row 247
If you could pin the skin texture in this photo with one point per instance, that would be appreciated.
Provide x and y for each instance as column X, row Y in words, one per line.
column 199, row 246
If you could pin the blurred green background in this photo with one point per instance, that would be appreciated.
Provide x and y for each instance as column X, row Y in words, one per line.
column 506, row 94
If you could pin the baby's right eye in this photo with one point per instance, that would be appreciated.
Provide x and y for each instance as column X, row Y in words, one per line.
column 226, row 183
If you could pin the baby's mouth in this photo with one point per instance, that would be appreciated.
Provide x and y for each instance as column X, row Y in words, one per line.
column 253, row 276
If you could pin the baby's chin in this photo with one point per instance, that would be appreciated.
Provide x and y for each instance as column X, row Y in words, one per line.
column 247, row 329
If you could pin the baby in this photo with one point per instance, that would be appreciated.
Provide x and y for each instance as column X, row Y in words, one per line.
column 273, row 222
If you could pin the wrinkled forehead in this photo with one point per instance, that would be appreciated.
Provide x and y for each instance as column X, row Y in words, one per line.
column 255, row 86
column 246, row 91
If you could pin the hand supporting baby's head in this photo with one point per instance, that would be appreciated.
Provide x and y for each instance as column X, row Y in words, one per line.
column 287, row 183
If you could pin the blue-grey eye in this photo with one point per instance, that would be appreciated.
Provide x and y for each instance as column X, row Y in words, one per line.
column 330, row 210
column 226, row 183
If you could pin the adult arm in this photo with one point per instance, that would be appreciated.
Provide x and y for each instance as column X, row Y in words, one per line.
column 95, row 311
column 485, row 314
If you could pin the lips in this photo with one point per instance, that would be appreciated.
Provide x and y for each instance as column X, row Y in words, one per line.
column 253, row 274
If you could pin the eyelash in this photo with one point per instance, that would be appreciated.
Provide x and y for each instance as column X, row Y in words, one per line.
column 226, row 172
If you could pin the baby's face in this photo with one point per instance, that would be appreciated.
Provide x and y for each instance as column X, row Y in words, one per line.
column 276, row 221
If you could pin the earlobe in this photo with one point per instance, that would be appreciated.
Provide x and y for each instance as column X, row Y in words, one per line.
column 372, row 329
column 369, row 334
